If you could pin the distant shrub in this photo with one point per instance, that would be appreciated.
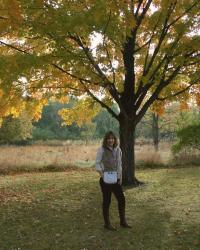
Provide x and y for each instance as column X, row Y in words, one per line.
column 16, row 130
column 189, row 138
column 184, row 159
column 187, row 150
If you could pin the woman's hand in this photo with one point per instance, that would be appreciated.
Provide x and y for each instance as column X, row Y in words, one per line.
column 119, row 181
column 101, row 173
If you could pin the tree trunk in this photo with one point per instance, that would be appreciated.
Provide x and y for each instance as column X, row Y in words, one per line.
column 155, row 131
column 127, row 144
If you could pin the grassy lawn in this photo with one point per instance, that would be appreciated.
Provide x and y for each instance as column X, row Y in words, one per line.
column 62, row 210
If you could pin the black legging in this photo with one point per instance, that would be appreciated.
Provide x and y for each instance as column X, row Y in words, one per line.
column 107, row 190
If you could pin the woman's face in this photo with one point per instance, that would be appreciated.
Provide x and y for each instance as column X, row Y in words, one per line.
column 110, row 141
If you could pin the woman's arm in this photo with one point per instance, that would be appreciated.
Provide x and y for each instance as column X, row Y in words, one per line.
column 119, row 165
column 99, row 164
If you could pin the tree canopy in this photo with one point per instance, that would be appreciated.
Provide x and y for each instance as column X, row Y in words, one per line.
column 133, row 53
column 94, row 47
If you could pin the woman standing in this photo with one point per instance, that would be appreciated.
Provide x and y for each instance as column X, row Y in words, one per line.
column 108, row 164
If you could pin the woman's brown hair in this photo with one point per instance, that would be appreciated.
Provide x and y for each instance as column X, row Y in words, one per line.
column 108, row 135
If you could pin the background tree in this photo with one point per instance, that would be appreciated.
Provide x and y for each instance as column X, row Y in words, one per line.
column 87, row 132
column 50, row 124
column 147, row 51
column 189, row 138
column 16, row 130
column 104, row 122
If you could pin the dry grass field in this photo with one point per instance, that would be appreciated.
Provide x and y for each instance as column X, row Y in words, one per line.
column 38, row 156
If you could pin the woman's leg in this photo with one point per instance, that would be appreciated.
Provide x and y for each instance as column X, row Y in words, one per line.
column 106, row 191
column 118, row 192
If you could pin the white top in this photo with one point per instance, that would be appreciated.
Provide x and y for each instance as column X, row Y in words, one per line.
column 99, row 164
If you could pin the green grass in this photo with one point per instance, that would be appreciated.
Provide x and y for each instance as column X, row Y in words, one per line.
column 62, row 210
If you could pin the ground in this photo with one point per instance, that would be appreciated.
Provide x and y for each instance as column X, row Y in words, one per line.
column 62, row 210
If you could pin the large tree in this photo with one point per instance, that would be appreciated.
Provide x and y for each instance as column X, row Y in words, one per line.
column 133, row 53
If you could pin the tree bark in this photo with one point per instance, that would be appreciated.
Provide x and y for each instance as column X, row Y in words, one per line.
column 155, row 131
column 127, row 144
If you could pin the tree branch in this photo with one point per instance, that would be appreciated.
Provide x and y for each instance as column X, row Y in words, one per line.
column 105, row 46
column 55, row 87
column 14, row 47
column 184, row 13
column 146, row 58
column 167, row 59
column 161, row 39
column 74, row 76
column 153, row 97
column 138, row 8
column 177, row 93
column 99, row 101
column 86, row 50
column 145, row 9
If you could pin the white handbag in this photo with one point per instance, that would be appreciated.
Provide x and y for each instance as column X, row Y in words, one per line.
column 110, row 177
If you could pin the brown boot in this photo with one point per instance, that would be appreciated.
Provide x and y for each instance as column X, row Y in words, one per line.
column 107, row 224
column 110, row 227
column 123, row 222
column 125, row 225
